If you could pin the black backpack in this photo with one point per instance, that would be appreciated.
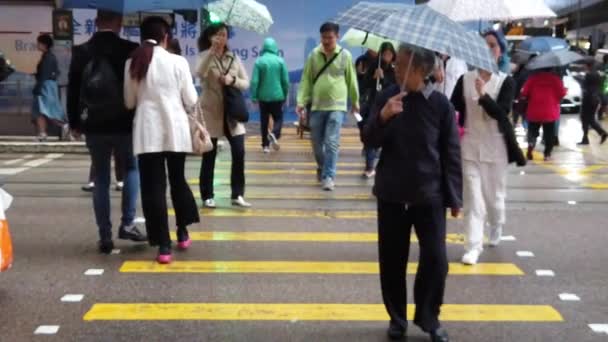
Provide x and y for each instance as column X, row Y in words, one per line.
column 101, row 97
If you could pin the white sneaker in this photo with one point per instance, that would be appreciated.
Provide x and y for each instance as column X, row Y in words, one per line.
column 240, row 201
column 274, row 142
column 266, row 150
column 210, row 203
column 471, row 257
column 495, row 237
column 120, row 186
column 328, row 184
column 369, row 174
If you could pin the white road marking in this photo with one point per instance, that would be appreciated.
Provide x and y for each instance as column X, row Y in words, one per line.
column 38, row 162
column 94, row 272
column 508, row 238
column 54, row 155
column 522, row 173
column 545, row 273
column 525, row 254
column 28, row 164
column 72, row 298
column 14, row 161
column 572, row 202
column 47, row 330
column 569, row 297
column 12, row 171
column 599, row 328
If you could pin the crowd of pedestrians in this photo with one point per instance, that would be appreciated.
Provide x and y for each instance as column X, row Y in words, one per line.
column 442, row 133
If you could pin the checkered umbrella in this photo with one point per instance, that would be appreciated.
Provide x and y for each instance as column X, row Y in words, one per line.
column 420, row 26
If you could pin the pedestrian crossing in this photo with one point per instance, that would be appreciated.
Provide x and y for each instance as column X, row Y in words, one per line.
column 304, row 227
column 18, row 165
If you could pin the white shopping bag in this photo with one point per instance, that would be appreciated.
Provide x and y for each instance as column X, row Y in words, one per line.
column 5, row 203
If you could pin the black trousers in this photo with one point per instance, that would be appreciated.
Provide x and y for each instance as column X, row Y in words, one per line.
column 118, row 168
column 237, row 172
column 268, row 109
column 590, row 121
column 153, row 182
column 548, row 135
column 395, row 223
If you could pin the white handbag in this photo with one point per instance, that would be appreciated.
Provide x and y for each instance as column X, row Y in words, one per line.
column 201, row 140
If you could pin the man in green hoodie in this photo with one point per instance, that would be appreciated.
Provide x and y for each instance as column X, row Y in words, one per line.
column 269, row 87
column 328, row 81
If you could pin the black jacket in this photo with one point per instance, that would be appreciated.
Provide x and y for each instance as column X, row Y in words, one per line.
column 368, row 89
column 498, row 110
column 420, row 161
column 117, row 51
column 47, row 69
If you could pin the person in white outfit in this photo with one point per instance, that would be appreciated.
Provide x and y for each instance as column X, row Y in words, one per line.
column 453, row 69
column 484, row 100
column 159, row 84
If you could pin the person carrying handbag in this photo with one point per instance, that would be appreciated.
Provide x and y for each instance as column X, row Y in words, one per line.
column 222, row 74
column 159, row 85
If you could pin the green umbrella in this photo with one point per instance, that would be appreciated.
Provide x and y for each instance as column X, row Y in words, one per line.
column 358, row 38
column 245, row 14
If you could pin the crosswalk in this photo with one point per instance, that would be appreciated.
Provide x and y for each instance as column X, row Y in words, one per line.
column 18, row 165
column 246, row 232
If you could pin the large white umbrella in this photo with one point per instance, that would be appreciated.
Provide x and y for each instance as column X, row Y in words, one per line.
column 245, row 14
column 465, row 10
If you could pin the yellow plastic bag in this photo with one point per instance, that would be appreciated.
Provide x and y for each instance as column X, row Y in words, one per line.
column 6, row 244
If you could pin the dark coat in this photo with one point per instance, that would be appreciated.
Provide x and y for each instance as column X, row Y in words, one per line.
column 498, row 110
column 420, row 161
column 47, row 69
column 117, row 51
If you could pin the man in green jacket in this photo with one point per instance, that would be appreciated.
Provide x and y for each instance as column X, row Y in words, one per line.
column 327, row 91
column 269, row 87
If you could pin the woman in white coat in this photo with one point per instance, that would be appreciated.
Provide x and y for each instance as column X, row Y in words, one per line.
column 219, row 67
column 159, row 84
column 484, row 100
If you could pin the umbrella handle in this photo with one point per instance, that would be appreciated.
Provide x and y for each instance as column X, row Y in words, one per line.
column 378, row 87
column 231, row 9
column 407, row 73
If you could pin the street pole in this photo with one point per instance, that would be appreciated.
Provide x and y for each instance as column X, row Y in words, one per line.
column 578, row 23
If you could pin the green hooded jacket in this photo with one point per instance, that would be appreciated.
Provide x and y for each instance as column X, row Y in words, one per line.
column 270, row 81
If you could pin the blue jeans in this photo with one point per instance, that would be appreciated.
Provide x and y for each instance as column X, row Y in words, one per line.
column 101, row 147
column 325, row 134
column 371, row 154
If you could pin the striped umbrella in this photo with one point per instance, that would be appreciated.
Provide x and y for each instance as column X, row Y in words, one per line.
column 420, row 26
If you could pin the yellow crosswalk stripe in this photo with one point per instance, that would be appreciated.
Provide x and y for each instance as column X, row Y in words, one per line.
column 457, row 239
column 305, row 148
column 294, row 172
column 302, row 196
column 290, row 213
column 287, row 213
column 312, row 165
column 287, row 182
column 304, row 267
column 311, row 312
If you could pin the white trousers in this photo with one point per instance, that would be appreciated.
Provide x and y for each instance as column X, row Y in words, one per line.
column 485, row 191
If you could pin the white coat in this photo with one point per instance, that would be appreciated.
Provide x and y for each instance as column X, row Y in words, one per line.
column 162, row 100
column 485, row 164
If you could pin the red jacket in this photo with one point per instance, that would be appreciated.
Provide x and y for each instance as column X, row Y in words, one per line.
column 544, row 91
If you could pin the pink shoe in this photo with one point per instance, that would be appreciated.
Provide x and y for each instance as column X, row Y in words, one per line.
column 184, row 244
column 164, row 259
